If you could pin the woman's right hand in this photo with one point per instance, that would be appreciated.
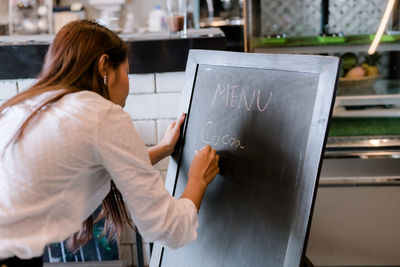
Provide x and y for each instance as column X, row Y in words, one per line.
column 204, row 165
column 202, row 171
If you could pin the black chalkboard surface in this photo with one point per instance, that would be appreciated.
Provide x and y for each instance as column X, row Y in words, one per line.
column 267, row 117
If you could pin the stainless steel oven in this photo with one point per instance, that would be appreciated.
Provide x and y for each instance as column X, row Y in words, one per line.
column 356, row 219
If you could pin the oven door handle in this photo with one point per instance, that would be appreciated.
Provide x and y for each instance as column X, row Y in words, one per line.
column 359, row 181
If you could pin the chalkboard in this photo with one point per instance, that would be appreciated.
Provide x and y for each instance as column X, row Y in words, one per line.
column 267, row 117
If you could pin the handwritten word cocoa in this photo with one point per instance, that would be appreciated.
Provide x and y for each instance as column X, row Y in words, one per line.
column 226, row 139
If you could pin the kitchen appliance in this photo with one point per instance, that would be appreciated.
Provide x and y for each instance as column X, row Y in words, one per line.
column 221, row 12
column 109, row 13
column 30, row 16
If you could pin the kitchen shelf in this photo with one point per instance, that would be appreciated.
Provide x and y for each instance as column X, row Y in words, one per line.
column 312, row 45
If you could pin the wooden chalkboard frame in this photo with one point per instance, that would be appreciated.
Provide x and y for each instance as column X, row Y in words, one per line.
column 328, row 70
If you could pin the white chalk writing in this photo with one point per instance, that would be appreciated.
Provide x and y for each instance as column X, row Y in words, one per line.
column 232, row 94
column 226, row 139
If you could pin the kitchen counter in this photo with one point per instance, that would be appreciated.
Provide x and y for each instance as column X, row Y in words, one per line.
column 22, row 56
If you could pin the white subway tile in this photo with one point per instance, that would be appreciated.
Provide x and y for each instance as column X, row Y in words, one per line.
column 25, row 84
column 141, row 83
column 170, row 81
column 162, row 165
column 153, row 106
column 8, row 89
column 147, row 130
column 162, row 126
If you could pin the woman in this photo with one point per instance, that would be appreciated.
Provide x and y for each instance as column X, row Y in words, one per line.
column 67, row 145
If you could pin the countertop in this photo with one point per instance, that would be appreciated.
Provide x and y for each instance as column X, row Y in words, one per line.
column 22, row 56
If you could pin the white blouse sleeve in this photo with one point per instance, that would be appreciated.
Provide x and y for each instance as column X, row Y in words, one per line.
column 158, row 216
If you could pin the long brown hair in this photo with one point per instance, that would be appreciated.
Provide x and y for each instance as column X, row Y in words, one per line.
column 72, row 64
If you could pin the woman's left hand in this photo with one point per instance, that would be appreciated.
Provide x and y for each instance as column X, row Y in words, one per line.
column 172, row 135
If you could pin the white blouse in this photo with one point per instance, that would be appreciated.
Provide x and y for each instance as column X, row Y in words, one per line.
column 60, row 171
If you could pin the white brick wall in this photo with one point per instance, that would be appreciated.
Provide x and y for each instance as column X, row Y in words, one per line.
column 24, row 84
column 8, row 89
column 153, row 106
column 162, row 126
column 152, row 103
column 170, row 82
column 141, row 84
column 147, row 130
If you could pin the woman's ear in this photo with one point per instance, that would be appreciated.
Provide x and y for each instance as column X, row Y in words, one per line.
column 103, row 65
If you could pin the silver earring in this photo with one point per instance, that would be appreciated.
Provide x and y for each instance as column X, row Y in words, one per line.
column 105, row 80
